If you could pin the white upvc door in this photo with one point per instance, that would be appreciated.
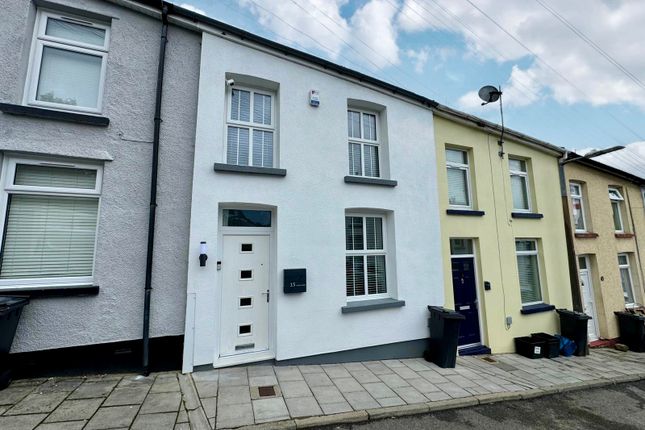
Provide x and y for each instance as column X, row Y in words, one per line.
column 588, row 302
column 244, row 325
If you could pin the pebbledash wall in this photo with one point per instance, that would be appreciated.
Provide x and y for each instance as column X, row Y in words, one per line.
column 309, row 206
column 124, row 149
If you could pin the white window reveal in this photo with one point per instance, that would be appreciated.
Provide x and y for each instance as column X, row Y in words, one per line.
column 67, row 69
column 364, row 144
column 626, row 279
column 519, row 185
column 529, row 271
column 365, row 257
column 578, row 207
column 250, row 131
column 616, row 199
column 50, row 223
column 459, row 194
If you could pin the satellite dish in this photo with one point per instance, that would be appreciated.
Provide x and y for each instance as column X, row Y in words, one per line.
column 489, row 94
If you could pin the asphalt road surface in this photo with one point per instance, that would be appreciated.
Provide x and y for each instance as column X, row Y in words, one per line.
column 614, row 407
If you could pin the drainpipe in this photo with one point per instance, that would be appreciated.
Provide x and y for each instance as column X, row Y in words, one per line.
column 153, row 191
column 568, row 231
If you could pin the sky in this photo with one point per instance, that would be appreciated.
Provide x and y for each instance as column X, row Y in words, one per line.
column 572, row 73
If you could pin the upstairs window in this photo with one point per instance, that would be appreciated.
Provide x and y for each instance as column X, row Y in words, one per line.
column 519, row 185
column 458, row 169
column 51, row 213
column 365, row 256
column 67, row 69
column 250, row 130
column 577, row 204
column 364, row 144
column 616, row 199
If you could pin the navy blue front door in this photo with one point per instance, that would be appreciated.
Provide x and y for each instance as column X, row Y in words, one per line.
column 465, row 291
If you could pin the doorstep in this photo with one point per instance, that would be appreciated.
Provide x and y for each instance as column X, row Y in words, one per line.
column 303, row 396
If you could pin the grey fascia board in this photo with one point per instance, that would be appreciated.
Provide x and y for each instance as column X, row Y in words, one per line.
column 370, row 181
column 232, row 168
column 371, row 304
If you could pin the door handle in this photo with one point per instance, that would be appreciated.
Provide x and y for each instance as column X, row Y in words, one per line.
column 268, row 294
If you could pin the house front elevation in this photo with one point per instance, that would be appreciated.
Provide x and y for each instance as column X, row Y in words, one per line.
column 505, row 265
column 315, row 199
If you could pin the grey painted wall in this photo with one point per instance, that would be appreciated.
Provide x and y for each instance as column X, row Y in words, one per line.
column 116, row 313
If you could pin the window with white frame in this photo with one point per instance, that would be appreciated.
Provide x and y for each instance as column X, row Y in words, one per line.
column 458, row 169
column 519, row 185
column 365, row 257
column 364, row 144
column 528, row 269
column 49, row 231
column 616, row 199
column 67, row 69
column 577, row 204
column 250, row 130
column 626, row 279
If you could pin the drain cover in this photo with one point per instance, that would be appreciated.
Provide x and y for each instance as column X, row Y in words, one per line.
column 266, row 391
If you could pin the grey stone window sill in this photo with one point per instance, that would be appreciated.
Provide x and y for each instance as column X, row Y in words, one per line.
column 38, row 112
column 527, row 215
column 251, row 170
column 465, row 212
column 370, row 181
column 62, row 291
column 369, row 305
column 534, row 309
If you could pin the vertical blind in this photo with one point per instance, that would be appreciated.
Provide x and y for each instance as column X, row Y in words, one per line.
column 49, row 236
column 458, row 187
column 519, row 190
column 527, row 267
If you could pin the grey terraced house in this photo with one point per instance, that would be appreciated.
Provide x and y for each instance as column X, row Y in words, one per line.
column 78, row 82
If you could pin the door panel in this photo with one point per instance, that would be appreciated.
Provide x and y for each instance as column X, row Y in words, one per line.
column 245, row 294
column 588, row 302
column 465, row 292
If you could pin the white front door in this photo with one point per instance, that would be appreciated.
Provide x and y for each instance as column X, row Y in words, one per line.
column 244, row 326
column 588, row 304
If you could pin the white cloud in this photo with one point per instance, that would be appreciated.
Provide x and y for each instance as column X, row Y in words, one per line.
column 192, row 8
column 616, row 26
column 373, row 24
column 420, row 58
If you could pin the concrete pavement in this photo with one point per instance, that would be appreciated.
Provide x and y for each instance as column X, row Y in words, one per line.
column 301, row 396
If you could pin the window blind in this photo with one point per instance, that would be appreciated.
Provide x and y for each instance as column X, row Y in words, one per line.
column 262, row 109
column 374, row 228
column 353, row 124
column 376, row 274
column 353, row 233
column 626, row 283
column 50, row 176
column 355, row 275
column 354, row 159
column 241, row 105
column 458, row 187
column 519, row 190
column 369, row 126
column 371, row 160
column 262, row 148
column 237, row 146
column 49, row 236
column 527, row 267
column 456, row 156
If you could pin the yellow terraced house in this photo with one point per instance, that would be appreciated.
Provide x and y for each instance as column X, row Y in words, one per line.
column 608, row 229
column 504, row 244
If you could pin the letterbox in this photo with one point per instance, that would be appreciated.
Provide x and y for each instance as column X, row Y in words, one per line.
column 295, row 281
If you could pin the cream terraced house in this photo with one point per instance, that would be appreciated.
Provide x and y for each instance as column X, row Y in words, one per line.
column 607, row 222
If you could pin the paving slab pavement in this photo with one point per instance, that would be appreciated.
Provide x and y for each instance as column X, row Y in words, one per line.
column 268, row 396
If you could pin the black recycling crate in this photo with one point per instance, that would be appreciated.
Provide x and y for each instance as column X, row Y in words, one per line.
column 551, row 344
column 529, row 347
column 10, row 310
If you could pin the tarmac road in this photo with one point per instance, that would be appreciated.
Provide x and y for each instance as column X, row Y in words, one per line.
column 613, row 407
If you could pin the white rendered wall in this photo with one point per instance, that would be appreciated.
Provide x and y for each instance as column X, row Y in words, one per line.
column 310, row 207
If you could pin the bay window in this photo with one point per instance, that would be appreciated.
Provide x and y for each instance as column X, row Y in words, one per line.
column 49, row 230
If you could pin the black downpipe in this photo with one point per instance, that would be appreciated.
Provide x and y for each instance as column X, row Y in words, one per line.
column 153, row 191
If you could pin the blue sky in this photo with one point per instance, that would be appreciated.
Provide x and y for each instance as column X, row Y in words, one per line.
column 572, row 72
